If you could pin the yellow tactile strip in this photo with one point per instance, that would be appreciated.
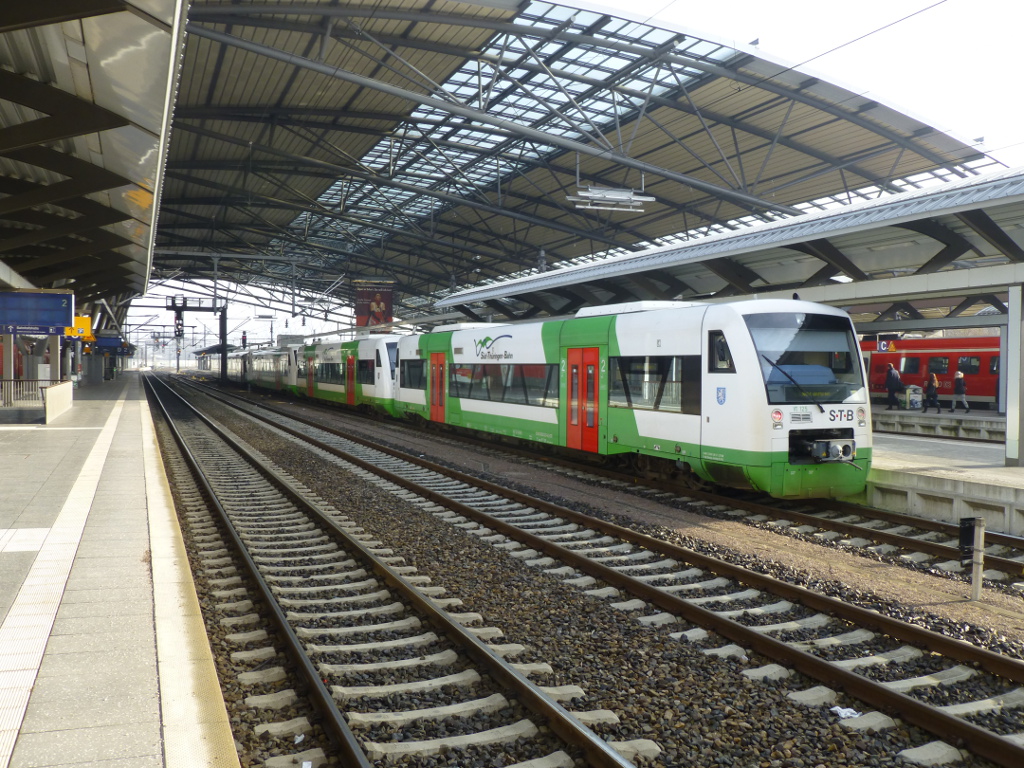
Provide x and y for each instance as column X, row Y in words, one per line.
column 26, row 628
column 194, row 719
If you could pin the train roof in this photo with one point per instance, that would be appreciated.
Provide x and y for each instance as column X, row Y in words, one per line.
column 636, row 306
column 466, row 326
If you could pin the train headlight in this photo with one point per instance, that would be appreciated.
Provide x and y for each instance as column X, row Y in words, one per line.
column 776, row 419
column 862, row 417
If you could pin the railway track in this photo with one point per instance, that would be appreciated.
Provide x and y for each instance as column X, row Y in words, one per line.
column 348, row 608
column 963, row 694
column 928, row 545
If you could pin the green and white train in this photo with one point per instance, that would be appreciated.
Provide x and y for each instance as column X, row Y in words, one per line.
column 762, row 394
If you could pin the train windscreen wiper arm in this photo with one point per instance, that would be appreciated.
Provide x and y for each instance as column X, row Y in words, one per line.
column 796, row 383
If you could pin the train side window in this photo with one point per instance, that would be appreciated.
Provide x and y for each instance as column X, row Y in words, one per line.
column 364, row 372
column 654, row 383
column 910, row 365
column 392, row 355
column 691, row 383
column 993, row 364
column 938, row 365
column 412, row 374
column 719, row 357
column 538, row 384
column 968, row 364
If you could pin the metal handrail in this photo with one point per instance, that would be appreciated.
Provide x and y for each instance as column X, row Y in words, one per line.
column 15, row 393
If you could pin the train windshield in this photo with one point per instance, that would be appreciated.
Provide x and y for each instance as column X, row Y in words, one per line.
column 807, row 358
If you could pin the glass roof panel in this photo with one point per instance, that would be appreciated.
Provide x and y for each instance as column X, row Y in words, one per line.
column 546, row 84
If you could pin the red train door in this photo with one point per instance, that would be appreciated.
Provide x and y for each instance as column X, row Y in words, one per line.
column 350, row 380
column 582, row 418
column 437, row 386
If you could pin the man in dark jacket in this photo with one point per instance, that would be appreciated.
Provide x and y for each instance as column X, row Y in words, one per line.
column 959, row 393
column 893, row 384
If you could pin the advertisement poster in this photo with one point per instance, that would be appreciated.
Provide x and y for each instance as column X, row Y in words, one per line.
column 373, row 302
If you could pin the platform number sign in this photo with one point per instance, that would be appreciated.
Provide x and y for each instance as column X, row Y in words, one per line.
column 38, row 312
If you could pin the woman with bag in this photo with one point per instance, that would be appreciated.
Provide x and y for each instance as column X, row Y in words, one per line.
column 931, row 394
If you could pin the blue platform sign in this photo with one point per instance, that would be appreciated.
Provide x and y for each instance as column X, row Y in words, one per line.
column 43, row 312
column 44, row 330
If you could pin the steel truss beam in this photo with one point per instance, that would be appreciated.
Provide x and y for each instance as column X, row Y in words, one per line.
column 243, row 15
column 343, row 171
column 20, row 14
column 745, row 201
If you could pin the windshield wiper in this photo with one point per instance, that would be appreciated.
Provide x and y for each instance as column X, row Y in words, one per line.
column 797, row 384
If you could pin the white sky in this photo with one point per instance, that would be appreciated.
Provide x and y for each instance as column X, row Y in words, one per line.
column 949, row 63
column 953, row 64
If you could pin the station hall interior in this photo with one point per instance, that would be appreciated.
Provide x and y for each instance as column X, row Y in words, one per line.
column 183, row 181
column 483, row 162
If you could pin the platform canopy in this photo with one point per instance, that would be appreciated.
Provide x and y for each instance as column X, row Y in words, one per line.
column 446, row 145
column 86, row 88
column 438, row 146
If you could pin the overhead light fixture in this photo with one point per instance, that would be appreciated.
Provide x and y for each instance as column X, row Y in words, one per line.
column 608, row 199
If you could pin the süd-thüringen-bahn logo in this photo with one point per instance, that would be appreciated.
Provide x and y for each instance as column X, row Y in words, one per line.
column 484, row 348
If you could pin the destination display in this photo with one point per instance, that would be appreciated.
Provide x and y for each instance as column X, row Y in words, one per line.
column 41, row 312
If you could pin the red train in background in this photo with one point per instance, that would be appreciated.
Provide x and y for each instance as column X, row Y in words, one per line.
column 916, row 359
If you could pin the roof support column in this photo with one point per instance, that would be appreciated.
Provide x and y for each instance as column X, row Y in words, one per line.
column 1010, row 370
column 224, row 343
column 7, row 340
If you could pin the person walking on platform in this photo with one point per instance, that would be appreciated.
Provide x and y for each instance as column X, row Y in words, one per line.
column 931, row 394
column 893, row 384
column 959, row 392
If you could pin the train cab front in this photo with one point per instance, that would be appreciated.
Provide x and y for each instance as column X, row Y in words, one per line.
column 818, row 403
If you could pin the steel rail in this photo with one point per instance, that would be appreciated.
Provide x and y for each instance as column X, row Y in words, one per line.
column 933, row 548
column 981, row 741
column 1011, row 567
column 334, row 722
column 562, row 722
column 991, row 537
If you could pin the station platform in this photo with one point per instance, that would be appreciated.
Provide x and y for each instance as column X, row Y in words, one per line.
column 950, row 478
column 104, row 659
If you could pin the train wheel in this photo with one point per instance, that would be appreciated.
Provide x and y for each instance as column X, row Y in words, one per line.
column 696, row 483
column 640, row 463
column 691, row 480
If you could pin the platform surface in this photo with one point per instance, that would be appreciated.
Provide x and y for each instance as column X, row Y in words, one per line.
column 103, row 654
column 946, row 458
